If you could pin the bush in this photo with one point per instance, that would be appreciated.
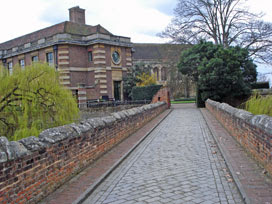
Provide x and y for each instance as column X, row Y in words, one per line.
column 146, row 79
column 145, row 92
column 260, row 85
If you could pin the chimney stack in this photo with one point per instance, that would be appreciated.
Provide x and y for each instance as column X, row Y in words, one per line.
column 77, row 15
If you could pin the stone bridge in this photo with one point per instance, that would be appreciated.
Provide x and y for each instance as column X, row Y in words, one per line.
column 144, row 155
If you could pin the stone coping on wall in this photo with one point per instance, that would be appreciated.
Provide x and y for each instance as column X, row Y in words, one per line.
column 263, row 122
column 33, row 167
column 11, row 150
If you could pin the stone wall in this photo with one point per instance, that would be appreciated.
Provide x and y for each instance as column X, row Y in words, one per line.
column 33, row 167
column 253, row 132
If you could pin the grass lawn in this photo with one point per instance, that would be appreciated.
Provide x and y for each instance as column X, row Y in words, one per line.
column 178, row 102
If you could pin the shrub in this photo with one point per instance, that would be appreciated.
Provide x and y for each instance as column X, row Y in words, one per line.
column 146, row 79
column 260, row 85
column 145, row 92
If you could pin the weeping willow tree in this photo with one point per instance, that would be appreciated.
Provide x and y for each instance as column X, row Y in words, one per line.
column 32, row 100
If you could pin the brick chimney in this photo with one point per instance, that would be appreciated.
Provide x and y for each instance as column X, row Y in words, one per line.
column 77, row 15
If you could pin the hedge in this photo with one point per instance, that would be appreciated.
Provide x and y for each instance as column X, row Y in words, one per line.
column 260, row 85
column 144, row 92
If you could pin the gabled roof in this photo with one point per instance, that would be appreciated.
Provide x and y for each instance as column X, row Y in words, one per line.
column 153, row 51
column 64, row 27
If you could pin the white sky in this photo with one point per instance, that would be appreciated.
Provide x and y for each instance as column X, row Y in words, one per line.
column 139, row 19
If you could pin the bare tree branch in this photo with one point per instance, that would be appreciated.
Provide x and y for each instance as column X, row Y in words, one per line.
column 225, row 22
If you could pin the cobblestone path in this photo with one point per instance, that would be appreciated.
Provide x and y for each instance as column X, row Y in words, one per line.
column 177, row 163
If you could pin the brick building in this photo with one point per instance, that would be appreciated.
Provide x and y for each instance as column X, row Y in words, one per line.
column 91, row 60
column 161, row 60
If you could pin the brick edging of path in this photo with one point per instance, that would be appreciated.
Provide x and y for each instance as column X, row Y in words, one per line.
column 228, row 163
column 90, row 189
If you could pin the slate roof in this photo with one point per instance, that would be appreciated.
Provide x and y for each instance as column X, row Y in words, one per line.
column 64, row 27
column 152, row 51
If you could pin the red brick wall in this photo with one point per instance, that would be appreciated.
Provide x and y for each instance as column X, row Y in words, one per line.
column 80, row 78
column 253, row 132
column 92, row 94
column 78, row 56
column 42, row 55
column 28, row 59
column 37, row 166
column 162, row 95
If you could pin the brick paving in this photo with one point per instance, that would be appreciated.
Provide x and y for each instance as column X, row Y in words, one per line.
column 254, row 184
column 179, row 162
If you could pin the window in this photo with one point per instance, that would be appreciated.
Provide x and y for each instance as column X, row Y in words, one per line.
column 116, row 58
column 163, row 74
column 90, row 56
column 10, row 68
column 156, row 73
column 35, row 59
column 49, row 58
column 22, row 63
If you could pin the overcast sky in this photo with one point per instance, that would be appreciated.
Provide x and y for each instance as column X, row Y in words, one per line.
column 139, row 19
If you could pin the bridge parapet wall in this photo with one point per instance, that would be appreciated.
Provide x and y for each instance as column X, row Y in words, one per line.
column 33, row 167
column 162, row 95
column 253, row 132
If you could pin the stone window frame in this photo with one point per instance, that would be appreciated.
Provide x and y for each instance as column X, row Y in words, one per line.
column 35, row 58
column 90, row 56
column 50, row 60
column 22, row 63
column 156, row 73
column 10, row 68
column 163, row 74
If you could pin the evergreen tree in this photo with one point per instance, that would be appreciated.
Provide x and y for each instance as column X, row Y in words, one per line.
column 220, row 73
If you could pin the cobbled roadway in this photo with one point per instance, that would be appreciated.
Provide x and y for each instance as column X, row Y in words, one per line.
column 177, row 163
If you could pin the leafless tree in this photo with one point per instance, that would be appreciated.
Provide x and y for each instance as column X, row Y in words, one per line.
column 225, row 22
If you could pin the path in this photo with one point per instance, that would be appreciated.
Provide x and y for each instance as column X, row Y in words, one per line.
column 177, row 163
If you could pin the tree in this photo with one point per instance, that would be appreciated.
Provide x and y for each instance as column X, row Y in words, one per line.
column 224, row 22
column 220, row 73
column 146, row 79
column 130, row 80
column 32, row 100
column 138, row 75
column 262, row 77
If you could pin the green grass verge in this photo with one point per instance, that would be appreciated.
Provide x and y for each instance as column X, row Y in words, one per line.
column 184, row 99
column 178, row 102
